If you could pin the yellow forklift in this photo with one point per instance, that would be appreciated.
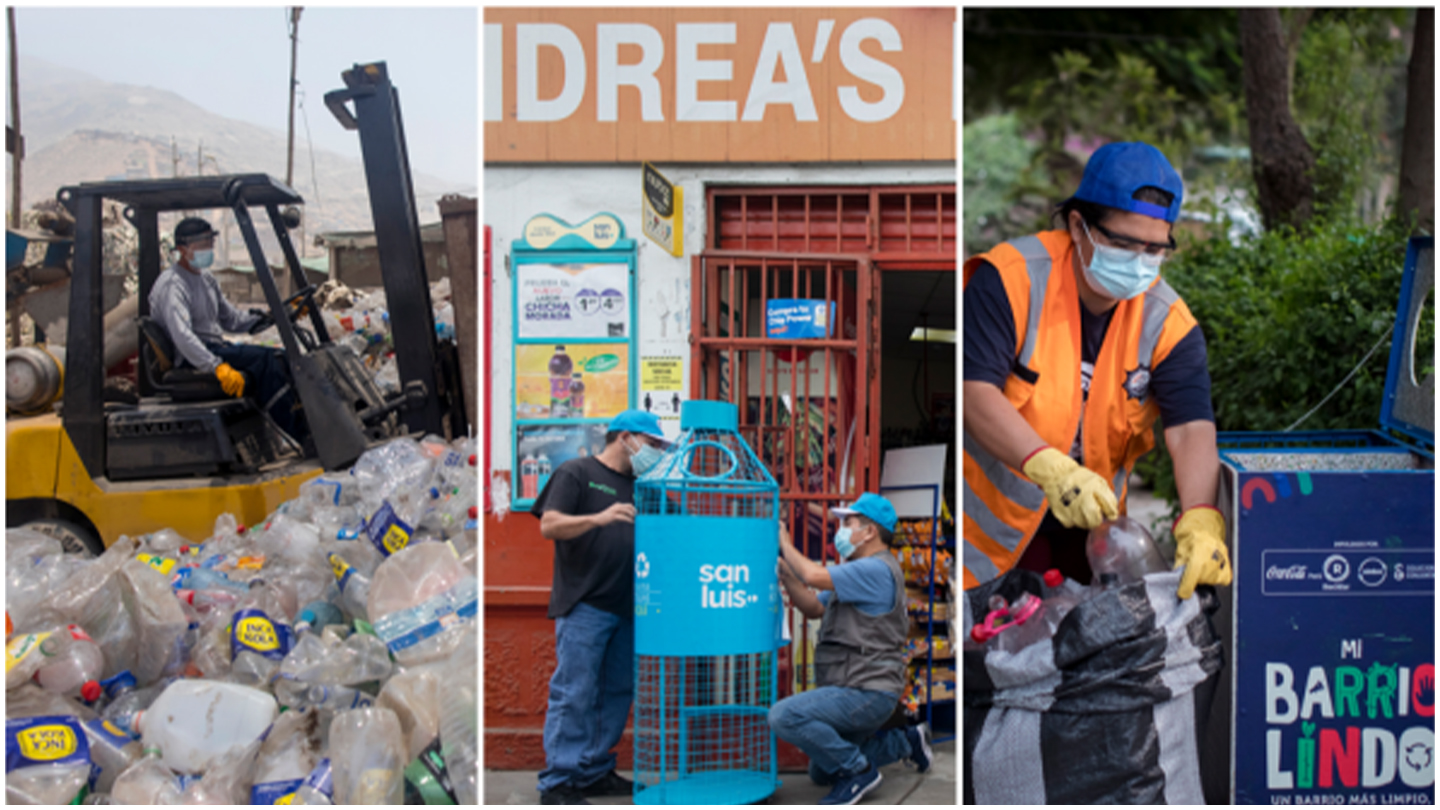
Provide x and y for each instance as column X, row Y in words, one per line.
column 185, row 453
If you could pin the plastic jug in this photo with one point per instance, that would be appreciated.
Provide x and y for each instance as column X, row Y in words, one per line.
column 194, row 721
column 1121, row 551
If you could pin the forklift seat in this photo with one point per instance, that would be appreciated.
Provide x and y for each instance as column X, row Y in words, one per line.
column 158, row 362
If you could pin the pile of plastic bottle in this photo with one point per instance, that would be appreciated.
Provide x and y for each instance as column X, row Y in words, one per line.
column 1120, row 552
column 326, row 656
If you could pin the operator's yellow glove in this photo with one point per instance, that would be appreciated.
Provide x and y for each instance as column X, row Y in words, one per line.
column 232, row 381
column 1078, row 496
column 1200, row 547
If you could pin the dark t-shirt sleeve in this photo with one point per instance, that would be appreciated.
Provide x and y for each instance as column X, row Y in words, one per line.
column 561, row 494
column 989, row 328
column 1181, row 382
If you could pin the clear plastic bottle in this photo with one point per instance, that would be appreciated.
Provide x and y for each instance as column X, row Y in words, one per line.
column 316, row 615
column 112, row 751
column 354, row 587
column 1061, row 596
column 195, row 721
column 1121, row 551
column 290, row 752
column 148, row 781
column 72, row 664
column 368, row 757
column 459, row 735
column 260, row 636
column 1029, row 625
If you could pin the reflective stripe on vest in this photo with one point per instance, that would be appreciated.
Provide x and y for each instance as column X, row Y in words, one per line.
column 1037, row 265
column 1156, row 309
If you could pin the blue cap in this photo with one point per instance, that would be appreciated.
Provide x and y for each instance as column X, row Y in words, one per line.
column 871, row 506
column 1117, row 170
column 636, row 421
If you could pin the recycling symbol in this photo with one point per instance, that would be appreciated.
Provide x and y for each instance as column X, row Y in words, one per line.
column 642, row 566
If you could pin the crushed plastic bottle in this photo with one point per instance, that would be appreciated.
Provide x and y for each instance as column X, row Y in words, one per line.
column 1121, row 551
column 203, row 640
column 47, row 760
column 368, row 758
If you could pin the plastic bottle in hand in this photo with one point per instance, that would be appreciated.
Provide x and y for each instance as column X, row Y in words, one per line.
column 1121, row 551
column 72, row 663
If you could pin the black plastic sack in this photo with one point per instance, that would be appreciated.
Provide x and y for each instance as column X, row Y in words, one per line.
column 1104, row 712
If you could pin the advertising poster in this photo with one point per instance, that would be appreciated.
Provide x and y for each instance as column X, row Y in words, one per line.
column 1335, row 662
column 573, row 300
column 542, row 448
column 571, row 381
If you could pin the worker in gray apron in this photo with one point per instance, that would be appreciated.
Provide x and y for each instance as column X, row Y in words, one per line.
column 859, row 656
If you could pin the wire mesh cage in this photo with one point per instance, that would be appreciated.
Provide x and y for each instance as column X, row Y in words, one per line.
column 707, row 617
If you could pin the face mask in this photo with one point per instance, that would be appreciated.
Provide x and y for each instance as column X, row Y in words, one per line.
column 843, row 543
column 202, row 259
column 1120, row 273
column 642, row 460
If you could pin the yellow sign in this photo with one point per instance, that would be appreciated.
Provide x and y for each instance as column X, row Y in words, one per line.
column 660, row 373
column 663, row 215
column 46, row 743
column 601, row 231
column 257, row 633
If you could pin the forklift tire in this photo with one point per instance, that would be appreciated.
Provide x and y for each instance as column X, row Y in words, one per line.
column 75, row 539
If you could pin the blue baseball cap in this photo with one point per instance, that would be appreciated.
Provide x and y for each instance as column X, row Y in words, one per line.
column 871, row 506
column 637, row 421
column 1117, row 170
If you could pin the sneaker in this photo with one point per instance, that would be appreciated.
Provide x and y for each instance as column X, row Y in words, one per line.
column 611, row 784
column 563, row 794
column 920, row 753
column 851, row 787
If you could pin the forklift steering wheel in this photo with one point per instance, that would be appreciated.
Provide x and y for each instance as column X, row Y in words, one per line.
column 293, row 305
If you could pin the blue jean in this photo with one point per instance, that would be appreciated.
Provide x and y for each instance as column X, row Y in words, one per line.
column 590, row 695
column 268, row 372
column 836, row 727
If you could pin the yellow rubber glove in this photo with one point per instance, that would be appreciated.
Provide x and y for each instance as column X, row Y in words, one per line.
column 1200, row 547
column 1078, row 496
column 232, row 381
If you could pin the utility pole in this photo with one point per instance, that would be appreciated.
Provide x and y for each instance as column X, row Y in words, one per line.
column 290, row 141
column 17, row 152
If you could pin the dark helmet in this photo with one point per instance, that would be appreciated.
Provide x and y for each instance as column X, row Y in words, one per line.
column 193, row 229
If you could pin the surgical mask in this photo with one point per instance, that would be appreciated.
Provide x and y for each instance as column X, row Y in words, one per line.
column 202, row 259
column 1120, row 273
column 843, row 544
column 642, row 460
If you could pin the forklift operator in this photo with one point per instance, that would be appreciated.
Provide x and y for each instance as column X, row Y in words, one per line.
column 187, row 303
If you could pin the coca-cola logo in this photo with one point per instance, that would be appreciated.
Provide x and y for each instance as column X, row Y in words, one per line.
column 1289, row 572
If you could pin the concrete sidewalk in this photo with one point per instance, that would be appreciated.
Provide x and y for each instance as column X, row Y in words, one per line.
column 901, row 785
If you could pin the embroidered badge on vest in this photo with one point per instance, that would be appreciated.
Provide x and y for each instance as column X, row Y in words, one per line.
column 1137, row 383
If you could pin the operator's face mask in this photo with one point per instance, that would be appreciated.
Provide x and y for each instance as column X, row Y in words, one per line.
column 1120, row 273
column 644, row 459
column 845, row 542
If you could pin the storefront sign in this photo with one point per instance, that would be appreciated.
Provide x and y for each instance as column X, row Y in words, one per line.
column 601, row 232
column 818, row 84
column 661, row 386
column 573, row 300
column 542, row 448
column 571, row 381
column 663, row 215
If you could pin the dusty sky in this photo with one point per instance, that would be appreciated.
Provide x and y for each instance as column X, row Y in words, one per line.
column 236, row 62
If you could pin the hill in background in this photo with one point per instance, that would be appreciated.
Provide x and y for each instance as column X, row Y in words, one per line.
column 80, row 128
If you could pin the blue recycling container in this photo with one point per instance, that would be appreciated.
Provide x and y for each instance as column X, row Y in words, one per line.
column 707, row 617
column 1333, row 617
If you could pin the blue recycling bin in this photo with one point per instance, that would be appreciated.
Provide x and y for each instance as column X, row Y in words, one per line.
column 707, row 617
column 1333, row 616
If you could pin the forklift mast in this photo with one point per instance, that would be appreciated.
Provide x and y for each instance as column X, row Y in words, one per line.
column 420, row 361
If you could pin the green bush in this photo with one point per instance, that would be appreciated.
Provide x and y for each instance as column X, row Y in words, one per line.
column 1286, row 315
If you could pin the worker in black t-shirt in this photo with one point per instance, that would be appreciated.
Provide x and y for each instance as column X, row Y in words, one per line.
column 588, row 509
